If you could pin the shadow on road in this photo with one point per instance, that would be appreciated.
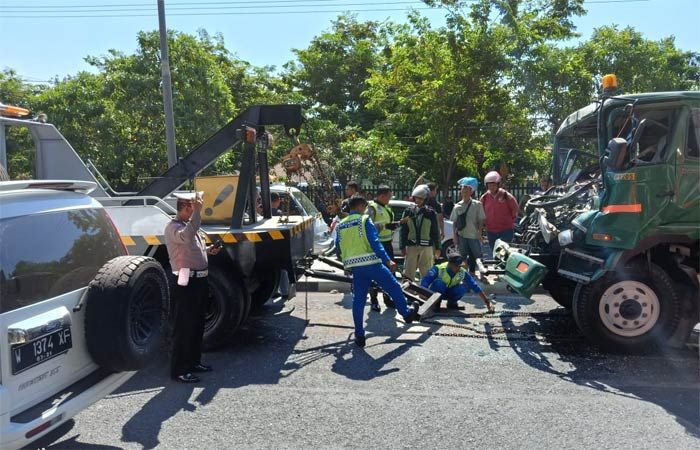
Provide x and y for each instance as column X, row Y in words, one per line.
column 71, row 443
column 669, row 380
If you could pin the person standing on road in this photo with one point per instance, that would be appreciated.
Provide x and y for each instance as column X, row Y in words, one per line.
column 452, row 281
column 420, row 235
column 189, row 287
column 364, row 256
column 501, row 209
column 350, row 189
column 383, row 219
column 468, row 219
column 432, row 202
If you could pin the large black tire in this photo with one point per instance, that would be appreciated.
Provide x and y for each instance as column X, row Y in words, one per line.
column 269, row 283
column 636, row 310
column 226, row 308
column 560, row 289
column 124, row 313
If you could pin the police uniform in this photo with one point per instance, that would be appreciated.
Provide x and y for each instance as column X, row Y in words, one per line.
column 383, row 219
column 451, row 285
column 187, row 250
column 365, row 257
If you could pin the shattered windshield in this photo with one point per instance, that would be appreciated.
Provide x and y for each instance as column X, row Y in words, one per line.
column 575, row 150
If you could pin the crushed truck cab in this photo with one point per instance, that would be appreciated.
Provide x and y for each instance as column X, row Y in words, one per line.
column 619, row 238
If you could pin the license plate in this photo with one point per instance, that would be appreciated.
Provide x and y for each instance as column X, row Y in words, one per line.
column 26, row 356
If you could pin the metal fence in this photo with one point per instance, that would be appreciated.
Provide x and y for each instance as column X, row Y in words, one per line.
column 401, row 192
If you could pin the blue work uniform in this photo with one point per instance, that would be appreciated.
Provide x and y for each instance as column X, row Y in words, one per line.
column 454, row 288
column 364, row 275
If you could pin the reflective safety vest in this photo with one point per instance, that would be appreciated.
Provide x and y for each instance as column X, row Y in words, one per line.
column 419, row 230
column 449, row 281
column 354, row 246
column 383, row 216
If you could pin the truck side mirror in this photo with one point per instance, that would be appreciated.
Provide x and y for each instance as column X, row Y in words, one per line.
column 618, row 156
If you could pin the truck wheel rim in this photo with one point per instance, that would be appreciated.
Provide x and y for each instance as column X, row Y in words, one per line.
column 629, row 308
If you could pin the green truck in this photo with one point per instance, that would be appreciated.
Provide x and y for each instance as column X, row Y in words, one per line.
column 618, row 242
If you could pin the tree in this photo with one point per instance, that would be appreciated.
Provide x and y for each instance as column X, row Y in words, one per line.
column 115, row 117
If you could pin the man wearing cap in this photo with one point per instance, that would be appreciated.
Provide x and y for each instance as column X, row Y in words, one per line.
column 364, row 256
column 188, row 287
column 452, row 281
column 383, row 219
column 420, row 234
column 468, row 222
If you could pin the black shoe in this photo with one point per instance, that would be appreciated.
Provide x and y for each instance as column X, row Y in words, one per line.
column 187, row 378
column 389, row 302
column 360, row 341
column 201, row 368
column 454, row 306
column 413, row 315
column 374, row 306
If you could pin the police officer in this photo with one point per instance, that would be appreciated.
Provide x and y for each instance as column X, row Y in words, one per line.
column 188, row 287
column 452, row 281
column 364, row 256
column 420, row 234
column 383, row 219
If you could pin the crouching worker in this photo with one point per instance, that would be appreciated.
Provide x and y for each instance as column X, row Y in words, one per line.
column 365, row 257
column 452, row 281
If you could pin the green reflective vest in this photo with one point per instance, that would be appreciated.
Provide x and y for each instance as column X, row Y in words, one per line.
column 423, row 224
column 354, row 246
column 383, row 216
column 449, row 281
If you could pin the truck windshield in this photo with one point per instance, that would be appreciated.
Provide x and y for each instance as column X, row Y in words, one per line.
column 575, row 150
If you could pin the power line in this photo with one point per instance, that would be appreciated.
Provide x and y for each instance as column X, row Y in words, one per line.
column 242, row 6
column 205, row 5
column 263, row 12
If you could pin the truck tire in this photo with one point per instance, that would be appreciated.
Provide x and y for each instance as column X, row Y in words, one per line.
column 124, row 313
column 636, row 310
column 225, row 311
column 560, row 289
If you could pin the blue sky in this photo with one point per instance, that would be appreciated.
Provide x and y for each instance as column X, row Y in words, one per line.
column 40, row 48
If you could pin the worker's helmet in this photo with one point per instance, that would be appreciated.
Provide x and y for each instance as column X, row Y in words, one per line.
column 421, row 191
column 454, row 256
column 492, row 177
column 469, row 181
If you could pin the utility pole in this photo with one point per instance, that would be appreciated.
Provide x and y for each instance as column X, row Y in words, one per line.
column 167, row 86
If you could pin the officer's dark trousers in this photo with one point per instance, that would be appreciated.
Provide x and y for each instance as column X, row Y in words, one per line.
column 189, row 308
column 374, row 290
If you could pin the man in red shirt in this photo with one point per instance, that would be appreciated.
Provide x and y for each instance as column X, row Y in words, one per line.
column 501, row 209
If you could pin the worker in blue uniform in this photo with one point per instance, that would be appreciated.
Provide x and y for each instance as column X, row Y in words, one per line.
column 453, row 281
column 364, row 256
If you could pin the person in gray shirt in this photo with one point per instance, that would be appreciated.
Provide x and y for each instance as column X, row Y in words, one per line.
column 189, row 287
column 468, row 219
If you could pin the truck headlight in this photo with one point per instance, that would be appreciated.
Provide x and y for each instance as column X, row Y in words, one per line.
column 566, row 238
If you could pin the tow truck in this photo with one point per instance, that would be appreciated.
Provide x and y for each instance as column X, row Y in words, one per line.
column 619, row 241
column 257, row 246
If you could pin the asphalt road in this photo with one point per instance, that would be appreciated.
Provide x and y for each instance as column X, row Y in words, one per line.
column 285, row 384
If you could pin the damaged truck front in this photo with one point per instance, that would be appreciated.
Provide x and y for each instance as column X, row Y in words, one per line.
column 617, row 241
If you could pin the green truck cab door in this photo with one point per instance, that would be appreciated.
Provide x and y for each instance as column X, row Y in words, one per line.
column 687, row 190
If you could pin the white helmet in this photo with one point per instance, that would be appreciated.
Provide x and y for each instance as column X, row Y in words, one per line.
column 422, row 191
column 492, row 177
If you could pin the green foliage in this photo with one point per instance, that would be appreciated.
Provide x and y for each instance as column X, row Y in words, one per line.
column 384, row 102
